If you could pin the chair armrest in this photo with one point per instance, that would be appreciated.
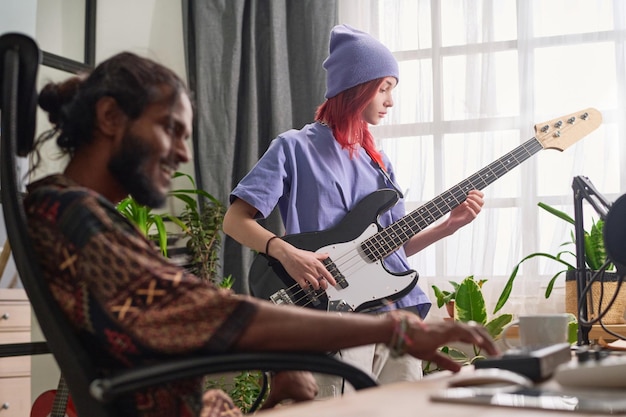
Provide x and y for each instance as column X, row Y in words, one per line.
column 108, row 388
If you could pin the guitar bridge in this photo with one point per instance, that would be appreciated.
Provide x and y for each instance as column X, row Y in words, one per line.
column 284, row 297
column 281, row 297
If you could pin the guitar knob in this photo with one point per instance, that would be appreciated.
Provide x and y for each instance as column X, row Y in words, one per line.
column 6, row 316
column 5, row 406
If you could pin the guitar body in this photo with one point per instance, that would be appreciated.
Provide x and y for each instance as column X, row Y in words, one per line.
column 44, row 406
column 268, row 276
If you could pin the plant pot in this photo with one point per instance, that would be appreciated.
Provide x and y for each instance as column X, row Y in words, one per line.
column 615, row 315
column 450, row 308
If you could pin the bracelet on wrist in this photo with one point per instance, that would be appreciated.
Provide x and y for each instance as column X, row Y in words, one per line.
column 399, row 338
column 267, row 244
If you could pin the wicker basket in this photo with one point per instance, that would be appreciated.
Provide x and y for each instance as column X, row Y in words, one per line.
column 615, row 315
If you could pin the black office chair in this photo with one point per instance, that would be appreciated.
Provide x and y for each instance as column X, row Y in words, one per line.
column 93, row 394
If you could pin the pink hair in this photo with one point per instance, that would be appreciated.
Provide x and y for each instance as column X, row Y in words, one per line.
column 343, row 114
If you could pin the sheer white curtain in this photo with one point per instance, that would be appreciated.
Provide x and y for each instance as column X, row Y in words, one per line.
column 476, row 76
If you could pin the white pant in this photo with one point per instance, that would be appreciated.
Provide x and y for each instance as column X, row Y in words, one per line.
column 373, row 359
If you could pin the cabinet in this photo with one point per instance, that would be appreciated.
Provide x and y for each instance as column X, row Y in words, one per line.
column 15, row 396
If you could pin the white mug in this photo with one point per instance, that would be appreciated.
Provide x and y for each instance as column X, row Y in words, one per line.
column 540, row 330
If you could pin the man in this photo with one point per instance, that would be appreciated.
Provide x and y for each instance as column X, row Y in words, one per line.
column 125, row 127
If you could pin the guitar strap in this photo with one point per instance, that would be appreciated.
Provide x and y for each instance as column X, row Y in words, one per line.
column 385, row 174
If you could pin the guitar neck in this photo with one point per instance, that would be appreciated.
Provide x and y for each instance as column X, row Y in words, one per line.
column 59, row 406
column 392, row 237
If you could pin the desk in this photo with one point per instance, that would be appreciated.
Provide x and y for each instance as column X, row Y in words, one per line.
column 405, row 399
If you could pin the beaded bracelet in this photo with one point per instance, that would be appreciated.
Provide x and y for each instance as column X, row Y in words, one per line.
column 399, row 338
column 267, row 245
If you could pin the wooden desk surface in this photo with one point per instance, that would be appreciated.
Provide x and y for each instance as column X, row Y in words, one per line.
column 405, row 399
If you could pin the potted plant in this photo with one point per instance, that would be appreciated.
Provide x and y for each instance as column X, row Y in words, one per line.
column 445, row 297
column 595, row 256
column 469, row 306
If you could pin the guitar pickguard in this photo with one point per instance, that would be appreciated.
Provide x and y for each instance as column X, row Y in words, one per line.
column 369, row 283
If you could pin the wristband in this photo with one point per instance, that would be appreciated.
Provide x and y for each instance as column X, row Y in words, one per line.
column 267, row 245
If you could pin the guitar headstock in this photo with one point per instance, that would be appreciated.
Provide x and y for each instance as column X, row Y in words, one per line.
column 562, row 132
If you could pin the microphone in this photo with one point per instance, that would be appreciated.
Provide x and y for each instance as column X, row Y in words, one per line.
column 615, row 234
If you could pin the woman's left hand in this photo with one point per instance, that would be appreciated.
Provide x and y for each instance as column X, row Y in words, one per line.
column 466, row 212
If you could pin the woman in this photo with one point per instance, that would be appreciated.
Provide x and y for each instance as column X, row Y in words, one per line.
column 317, row 174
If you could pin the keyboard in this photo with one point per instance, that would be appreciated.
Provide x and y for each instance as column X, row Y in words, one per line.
column 537, row 364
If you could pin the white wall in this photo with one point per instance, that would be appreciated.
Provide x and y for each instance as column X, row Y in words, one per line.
column 18, row 16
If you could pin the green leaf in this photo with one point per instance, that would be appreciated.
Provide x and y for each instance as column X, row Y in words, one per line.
column 558, row 213
column 469, row 302
column 594, row 246
column 572, row 331
column 495, row 325
column 506, row 291
column 162, row 234
column 457, row 354
column 440, row 295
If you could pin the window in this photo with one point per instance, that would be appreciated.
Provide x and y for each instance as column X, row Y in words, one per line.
column 476, row 76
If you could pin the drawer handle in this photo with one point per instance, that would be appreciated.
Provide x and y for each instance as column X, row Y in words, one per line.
column 5, row 406
column 6, row 316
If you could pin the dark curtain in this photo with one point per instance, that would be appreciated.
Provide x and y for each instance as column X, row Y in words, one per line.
column 255, row 67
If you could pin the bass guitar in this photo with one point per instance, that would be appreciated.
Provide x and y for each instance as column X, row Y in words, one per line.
column 54, row 403
column 358, row 244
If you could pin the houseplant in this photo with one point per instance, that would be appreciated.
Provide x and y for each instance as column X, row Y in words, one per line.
column 469, row 306
column 595, row 255
column 201, row 221
column 445, row 297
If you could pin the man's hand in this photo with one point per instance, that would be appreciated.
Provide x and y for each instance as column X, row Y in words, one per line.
column 291, row 385
column 422, row 340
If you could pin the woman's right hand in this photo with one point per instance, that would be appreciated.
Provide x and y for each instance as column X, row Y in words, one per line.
column 305, row 267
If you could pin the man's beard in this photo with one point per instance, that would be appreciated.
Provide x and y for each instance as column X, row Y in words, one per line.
column 126, row 168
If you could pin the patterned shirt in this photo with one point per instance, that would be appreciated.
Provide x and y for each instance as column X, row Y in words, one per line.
column 129, row 305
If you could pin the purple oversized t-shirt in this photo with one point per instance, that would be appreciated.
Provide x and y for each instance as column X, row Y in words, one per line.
column 315, row 183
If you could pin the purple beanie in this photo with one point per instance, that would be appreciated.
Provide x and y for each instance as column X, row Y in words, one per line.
column 355, row 58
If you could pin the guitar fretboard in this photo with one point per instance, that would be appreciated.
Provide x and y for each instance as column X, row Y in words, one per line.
column 59, row 405
column 398, row 233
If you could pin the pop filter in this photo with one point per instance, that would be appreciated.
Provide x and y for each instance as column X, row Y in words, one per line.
column 615, row 234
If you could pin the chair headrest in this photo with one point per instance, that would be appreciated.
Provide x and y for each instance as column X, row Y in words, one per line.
column 29, row 58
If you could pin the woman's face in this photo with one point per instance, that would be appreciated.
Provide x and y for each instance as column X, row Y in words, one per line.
column 377, row 108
